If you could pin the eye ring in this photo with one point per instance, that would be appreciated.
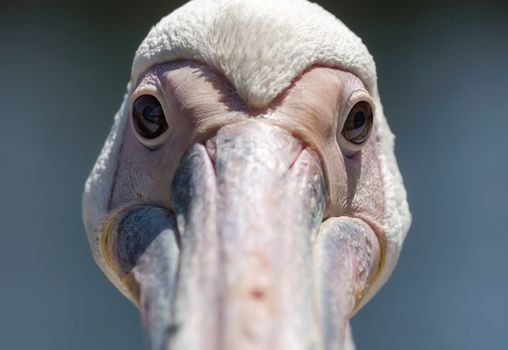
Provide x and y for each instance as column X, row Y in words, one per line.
column 357, row 127
column 148, row 120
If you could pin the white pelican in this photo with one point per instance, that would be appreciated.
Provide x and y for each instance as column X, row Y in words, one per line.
column 248, row 195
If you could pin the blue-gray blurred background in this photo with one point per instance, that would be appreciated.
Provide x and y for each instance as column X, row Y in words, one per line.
column 443, row 76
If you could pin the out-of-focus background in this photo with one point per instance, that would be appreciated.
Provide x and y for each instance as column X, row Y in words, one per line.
column 443, row 77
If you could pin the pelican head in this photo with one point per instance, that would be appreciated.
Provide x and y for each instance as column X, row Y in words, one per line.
column 248, row 196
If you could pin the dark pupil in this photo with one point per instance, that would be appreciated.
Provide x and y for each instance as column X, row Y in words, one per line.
column 148, row 117
column 359, row 119
column 152, row 115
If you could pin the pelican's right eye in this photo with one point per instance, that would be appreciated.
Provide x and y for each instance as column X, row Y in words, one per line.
column 148, row 117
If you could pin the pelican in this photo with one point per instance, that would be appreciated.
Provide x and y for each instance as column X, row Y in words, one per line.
column 248, row 195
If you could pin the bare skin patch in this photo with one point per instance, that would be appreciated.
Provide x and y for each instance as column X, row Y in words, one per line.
column 198, row 101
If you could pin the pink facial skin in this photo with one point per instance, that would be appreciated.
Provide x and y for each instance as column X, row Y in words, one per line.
column 198, row 102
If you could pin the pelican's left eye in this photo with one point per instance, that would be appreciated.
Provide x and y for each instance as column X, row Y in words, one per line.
column 358, row 123
column 148, row 117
